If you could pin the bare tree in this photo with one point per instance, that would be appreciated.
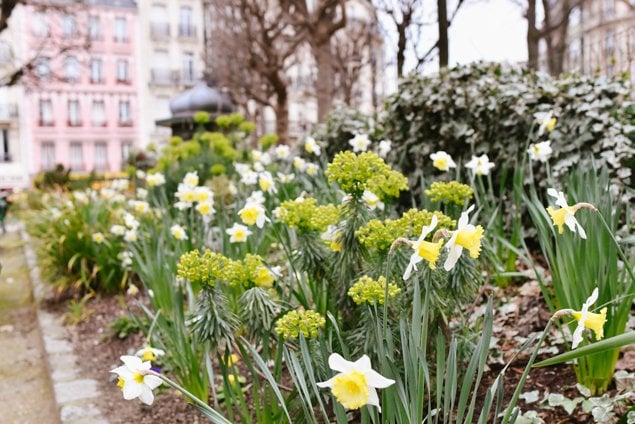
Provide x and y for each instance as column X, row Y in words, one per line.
column 252, row 48
column 24, row 70
column 318, row 21
column 553, row 30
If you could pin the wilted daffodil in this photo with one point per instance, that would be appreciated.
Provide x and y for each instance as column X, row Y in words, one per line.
column 424, row 250
column 586, row 319
column 480, row 165
column 442, row 161
column 136, row 380
column 149, row 353
column 356, row 383
column 565, row 215
column 465, row 236
column 540, row 151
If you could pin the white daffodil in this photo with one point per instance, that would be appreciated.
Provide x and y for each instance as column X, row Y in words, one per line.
column 372, row 200
column 191, row 179
column 299, row 163
column 480, row 165
column 312, row 147
column 565, row 215
column 130, row 221
column 312, row 169
column 359, row 142
column 282, row 152
column 186, row 193
column 285, row 178
column 238, row 233
column 118, row 230
column 142, row 193
column 253, row 213
column 259, row 167
column 203, row 194
column 178, row 232
column 266, row 183
column 586, row 319
column 156, row 179
column 256, row 197
column 540, row 151
column 546, row 120
column 249, row 178
column 140, row 206
column 442, row 161
column 205, row 208
column 136, row 380
column 385, row 146
column 140, row 174
column 126, row 258
column 356, row 383
column 149, row 353
column 424, row 249
column 242, row 168
column 98, row 238
column 466, row 236
column 130, row 236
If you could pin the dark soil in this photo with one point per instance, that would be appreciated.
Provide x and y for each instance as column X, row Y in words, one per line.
column 99, row 351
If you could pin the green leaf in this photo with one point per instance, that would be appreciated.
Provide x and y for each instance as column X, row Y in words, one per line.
column 611, row 343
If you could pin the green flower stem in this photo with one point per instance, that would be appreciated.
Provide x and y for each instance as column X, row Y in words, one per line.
column 523, row 378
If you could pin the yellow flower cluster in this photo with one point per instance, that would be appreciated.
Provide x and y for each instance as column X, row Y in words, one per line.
column 305, row 215
column 210, row 267
column 220, row 145
column 366, row 171
column 295, row 322
column 379, row 235
column 451, row 192
column 368, row 290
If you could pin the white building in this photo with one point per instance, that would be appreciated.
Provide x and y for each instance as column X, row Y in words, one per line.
column 171, row 48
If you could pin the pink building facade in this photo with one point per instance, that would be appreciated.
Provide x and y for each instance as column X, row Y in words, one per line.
column 82, row 105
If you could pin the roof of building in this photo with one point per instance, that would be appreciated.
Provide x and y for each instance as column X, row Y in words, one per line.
column 200, row 97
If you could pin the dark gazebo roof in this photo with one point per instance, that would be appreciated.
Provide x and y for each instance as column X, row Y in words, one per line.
column 201, row 97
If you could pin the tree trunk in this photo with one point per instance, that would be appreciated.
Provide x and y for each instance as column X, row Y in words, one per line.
column 282, row 116
column 325, row 76
column 533, row 36
column 444, row 47
column 401, row 48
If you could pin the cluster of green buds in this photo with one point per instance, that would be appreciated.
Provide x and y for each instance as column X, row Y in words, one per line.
column 372, row 291
column 379, row 235
column 305, row 215
column 450, row 192
column 366, row 171
column 295, row 322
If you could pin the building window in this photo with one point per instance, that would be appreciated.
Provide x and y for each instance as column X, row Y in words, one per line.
column 609, row 45
column 101, row 156
column 126, row 149
column 99, row 113
column 159, row 25
column 94, row 27
column 74, row 116
column 76, row 157
column 96, row 71
column 40, row 25
column 121, row 30
column 69, row 26
column 71, row 69
column 125, row 119
column 43, row 68
column 186, row 29
column 609, row 9
column 5, row 154
column 122, row 71
column 46, row 113
column 47, row 156
column 188, row 68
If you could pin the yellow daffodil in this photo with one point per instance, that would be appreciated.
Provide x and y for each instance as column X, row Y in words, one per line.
column 149, row 353
column 264, row 278
column 356, row 383
column 586, row 319
column 253, row 213
column 424, row 250
column 565, row 215
column 547, row 122
column 333, row 236
column 465, row 236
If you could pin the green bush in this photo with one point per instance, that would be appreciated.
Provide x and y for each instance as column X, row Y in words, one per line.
column 340, row 127
column 489, row 108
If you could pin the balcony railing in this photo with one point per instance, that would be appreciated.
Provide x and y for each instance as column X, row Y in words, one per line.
column 160, row 30
column 74, row 123
column 46, row 123
column 127, row 122
column 187, row 31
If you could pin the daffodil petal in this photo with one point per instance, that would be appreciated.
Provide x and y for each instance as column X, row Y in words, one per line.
column 328, row 383
column 132, row 389
column 146, row 396
column 373, row 399
column 338, row 363
column 132, row 362
column 152, row 381
column 453, row 257
column 374, row 379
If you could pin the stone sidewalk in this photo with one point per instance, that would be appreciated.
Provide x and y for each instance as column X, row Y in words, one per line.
column 73, row 396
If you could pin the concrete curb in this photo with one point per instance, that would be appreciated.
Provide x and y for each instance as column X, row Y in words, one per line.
column 75, row 396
